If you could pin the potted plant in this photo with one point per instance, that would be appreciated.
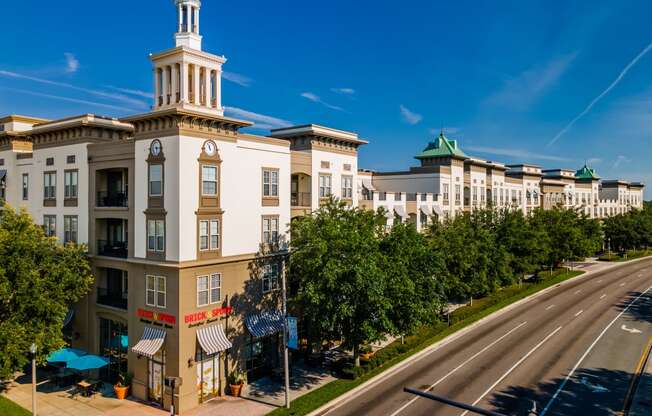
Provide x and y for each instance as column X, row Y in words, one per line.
column 366, row 352
column 121, row 387
column 236, row 380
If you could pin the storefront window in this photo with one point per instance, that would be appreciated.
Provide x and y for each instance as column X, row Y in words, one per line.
column 261, row 356
column 208, row 374
column 113, row 344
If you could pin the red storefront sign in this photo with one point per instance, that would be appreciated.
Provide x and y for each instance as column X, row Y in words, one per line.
column 201, row 316
column 157, row 316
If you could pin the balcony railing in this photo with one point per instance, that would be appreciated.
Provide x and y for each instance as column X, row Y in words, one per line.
column 111, row 298
column 112, row 248
column 300, row 199
column 111, row 199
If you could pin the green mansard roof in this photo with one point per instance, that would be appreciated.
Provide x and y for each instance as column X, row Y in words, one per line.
column 442, row 147
column 587, row 173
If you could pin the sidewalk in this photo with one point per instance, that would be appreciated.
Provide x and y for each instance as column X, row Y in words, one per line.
column 642, row 404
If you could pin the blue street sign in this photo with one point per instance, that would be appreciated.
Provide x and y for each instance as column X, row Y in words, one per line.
column 293, row 335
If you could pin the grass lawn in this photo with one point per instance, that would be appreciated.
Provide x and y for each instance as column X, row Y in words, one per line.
column 481, row 308
column 631, row 255
column 9, row 408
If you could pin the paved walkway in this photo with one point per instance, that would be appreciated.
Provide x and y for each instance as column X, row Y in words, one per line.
column 642, row 404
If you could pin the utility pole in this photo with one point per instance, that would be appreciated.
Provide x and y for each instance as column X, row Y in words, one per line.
column 286, row 363
column 32, row 349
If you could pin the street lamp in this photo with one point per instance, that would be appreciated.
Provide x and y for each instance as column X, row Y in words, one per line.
column 32, row 349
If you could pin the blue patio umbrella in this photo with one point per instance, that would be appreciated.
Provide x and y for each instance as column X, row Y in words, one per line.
column 120, row 340
column 65, row 354
column 87, row 362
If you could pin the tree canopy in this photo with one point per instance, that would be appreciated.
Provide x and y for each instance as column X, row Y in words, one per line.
column 39, row 280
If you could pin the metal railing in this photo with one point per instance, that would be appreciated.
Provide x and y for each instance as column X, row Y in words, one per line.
column 112, row 199
column 112, row 248
column 300, row 199
column 111, row 298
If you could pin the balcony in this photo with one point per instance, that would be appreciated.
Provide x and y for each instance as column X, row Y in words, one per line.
column 111, row 298
column 112, row 199
column 300, row 199
column 112, row 248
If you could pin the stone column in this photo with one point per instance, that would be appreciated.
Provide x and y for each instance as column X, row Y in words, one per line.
column 180, row 18
column 196, row 85
column 218, row 89
column 157, row 84
column 196, row 20
column 165, row 73
column 207, row 85
column 183, row 88
column 189, row 18
column 175, row 84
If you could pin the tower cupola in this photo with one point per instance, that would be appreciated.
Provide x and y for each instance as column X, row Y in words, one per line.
column 188, row 25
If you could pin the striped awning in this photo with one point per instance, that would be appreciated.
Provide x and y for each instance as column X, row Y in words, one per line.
column 264, row 324
column 438, row 210
column 213, row 339
column 400, row 211
column 368, row 185
column 150, row 343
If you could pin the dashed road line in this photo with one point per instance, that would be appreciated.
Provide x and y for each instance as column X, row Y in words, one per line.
column 579, row 313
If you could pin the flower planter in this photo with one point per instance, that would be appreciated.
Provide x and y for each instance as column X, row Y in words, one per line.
column 120, row 392
column 236, row 389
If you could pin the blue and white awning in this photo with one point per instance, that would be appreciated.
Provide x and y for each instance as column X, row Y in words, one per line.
column 213, row 339
column 264, row 324
column 150, row 343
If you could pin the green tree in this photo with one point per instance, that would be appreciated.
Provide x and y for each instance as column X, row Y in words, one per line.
column 337, row 269
column 564, row 231
column 39, row 280
column 414, row 274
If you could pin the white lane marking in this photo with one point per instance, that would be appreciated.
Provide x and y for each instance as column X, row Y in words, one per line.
column 519, row 362
column 600, row 281
column 604, row 295
column 550, row 307
column 595, row 388
column 577, row 291
column 630, row 330
column 622, row 284
column 400, row 409
column 640, row 275
column 579, row 313
column 588, row 350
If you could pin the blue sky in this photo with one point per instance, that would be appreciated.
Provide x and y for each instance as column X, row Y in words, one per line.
column 504, row 78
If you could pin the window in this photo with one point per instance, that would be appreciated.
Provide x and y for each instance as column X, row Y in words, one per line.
column 270, row 230
column 156, row 235
column 70, row 183
column 458, row 194
column 155, row 180
column 25, row 186
column 324, row 186
column 50, row 225
column 270, row 277
column 209, row 289
column 270, row 183
column 347, row 187
column 209, row 180
column 50, row 185
column 209, row 234
column 70, row 226
column 155, row 295
column 49, row 161
column 446, row 192
column 70, row 159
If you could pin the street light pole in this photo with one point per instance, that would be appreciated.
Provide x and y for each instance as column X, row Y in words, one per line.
column 32, row 349
column 286, row 363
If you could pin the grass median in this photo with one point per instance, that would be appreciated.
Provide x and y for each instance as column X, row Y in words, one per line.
column 427, row 336
column 630, row 255
column 9, row 408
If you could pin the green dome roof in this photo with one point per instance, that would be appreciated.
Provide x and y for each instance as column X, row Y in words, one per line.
column 587, row 173
column 442, row 147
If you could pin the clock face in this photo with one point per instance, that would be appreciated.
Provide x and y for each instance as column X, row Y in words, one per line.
column 155, row 148
column 210, row 148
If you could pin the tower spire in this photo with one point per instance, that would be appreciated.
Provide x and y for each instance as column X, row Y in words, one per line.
column 188, row 24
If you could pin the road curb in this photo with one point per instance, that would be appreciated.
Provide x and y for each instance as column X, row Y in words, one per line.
column 338, row 401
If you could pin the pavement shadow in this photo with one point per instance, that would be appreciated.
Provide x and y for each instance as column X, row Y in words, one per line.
column 641, row 310
column 594, row 391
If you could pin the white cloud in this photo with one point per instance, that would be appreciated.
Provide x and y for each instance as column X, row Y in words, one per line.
column 345, row 91
column 71, row 100
column 516, row 153
column 619, row 161
column 239, row 79
column 521, row 91
column 130, row 91
column 410, row 117
column 108, row 95
column 611, row 86
column 263, row 122
column 72, row 64
column 316, row 99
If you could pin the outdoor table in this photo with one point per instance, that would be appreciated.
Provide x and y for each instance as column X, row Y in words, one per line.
column 87, row 388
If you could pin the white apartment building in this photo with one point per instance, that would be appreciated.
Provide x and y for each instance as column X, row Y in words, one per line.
column 184, row 216
column 475, row 183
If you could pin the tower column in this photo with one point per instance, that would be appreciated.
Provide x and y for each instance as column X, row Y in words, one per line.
column 157, row 89
column 218, row 89
column 196, row 28
column 196, row 85
column 207, row 86
column 184, row 83
column 166, row 85
column 180, row 13
column 175, row 84
column 188, row 18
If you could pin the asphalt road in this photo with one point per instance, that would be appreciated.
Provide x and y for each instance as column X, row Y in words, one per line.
column 571, row 351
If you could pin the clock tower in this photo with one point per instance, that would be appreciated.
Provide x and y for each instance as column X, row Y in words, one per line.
column 186, row 77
